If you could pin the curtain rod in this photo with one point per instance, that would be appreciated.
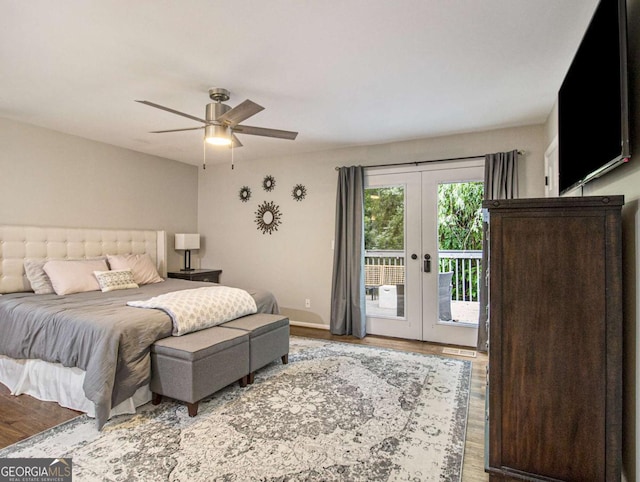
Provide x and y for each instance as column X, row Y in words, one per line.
column 417, row 163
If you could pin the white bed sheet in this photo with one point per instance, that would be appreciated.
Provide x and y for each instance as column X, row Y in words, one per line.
column 53, row 382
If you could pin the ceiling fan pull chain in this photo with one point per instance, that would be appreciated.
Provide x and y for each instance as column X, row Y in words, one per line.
column 204, row 154
column 232, row 149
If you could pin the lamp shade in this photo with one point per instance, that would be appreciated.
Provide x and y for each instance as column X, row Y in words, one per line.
column 217, row 135
column 187, row 241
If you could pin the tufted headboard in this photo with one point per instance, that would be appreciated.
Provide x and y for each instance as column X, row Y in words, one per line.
column 18, row 243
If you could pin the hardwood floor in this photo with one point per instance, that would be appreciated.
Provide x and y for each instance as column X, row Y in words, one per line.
column 24, row 416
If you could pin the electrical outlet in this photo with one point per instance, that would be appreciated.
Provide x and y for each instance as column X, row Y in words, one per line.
column 307, row 303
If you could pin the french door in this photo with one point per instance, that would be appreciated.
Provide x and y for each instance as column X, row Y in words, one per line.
column 415, row 288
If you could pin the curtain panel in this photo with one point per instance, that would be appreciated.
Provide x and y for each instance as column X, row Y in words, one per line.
column 347, row 291
column 500, row 182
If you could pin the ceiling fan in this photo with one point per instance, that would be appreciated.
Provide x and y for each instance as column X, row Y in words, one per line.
column 221, row 122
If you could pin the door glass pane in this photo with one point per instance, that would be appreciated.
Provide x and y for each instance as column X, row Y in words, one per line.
column 384, row 266
column 459, row 251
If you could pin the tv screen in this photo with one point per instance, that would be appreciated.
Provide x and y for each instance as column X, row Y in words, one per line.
column 593, row 107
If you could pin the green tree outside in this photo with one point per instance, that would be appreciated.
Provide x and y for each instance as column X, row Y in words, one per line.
column 460, row 229
column 384, row 218
column 459, row 217
column 459, row 223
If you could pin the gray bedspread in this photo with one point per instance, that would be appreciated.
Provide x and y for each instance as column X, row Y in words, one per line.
column 96, row 332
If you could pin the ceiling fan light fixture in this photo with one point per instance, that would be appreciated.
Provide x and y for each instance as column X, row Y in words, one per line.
column 222, row 123
column 217, row 135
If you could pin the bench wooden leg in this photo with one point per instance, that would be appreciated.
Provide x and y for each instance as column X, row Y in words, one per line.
column 156, row 398
column 244, row 381
column 251, row 377
column 285, row 359
column 193, row 409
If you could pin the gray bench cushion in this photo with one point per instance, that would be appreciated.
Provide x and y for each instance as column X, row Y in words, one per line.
column 199, row 344
column 259, row 323
column 268, row 338
column 194, row 366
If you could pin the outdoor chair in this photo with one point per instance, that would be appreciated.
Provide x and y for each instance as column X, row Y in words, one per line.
column 372, row 280
column 444, row 295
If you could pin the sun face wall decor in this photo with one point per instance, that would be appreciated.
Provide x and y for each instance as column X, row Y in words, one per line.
column 268, row 217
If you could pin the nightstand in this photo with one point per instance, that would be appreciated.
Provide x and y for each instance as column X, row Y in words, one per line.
column 209, row 275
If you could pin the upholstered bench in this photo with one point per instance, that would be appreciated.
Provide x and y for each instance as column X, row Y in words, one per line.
column 193, row 366
column 268, row 339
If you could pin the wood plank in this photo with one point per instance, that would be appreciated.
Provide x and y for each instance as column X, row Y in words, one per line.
column 23, row 416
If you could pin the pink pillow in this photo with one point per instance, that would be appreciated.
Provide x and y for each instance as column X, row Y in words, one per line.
column 69, row 277
column 141, row 265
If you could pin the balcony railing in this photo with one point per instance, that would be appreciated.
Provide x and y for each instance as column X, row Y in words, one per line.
column 466, row 273
column 387, row 267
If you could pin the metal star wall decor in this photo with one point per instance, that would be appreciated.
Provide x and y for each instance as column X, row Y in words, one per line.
column 245, row 194
column 299, row 192
column 269, row 183
column 268, row 217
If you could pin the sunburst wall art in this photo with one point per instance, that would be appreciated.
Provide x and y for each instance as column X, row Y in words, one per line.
column 268, row 217
column 245, row 194
column 268, row 183
column 299, row 192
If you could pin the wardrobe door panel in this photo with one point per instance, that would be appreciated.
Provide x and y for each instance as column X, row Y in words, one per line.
column 553, row 344
column 555, row 339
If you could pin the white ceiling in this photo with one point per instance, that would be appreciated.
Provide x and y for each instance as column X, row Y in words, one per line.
column 341, row 72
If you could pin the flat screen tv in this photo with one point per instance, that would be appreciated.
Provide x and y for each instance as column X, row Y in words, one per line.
column 593, row 105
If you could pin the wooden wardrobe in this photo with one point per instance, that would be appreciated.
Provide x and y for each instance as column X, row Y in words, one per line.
column 554, row 394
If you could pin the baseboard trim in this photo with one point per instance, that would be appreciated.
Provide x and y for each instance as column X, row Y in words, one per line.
column 309, row 325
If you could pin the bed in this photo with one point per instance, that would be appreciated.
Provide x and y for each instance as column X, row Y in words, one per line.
column 88, row 351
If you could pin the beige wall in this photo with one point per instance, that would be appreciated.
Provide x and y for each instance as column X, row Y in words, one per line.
column 52, row 179
column 296, row 261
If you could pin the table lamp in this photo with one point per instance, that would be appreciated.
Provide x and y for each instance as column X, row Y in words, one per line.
column 187, row 242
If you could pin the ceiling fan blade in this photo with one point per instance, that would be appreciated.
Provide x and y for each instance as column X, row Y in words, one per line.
column 239, row 113
column 177, row 130
column 173, row 111
column 235, row 142
column 261, row 131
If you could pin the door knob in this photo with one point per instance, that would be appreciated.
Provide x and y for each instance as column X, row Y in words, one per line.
column 414, row 256
column 427, row 263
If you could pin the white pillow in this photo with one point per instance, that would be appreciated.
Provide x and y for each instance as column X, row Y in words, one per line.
column 120, row 279
column 141, row 265
column 69, row 277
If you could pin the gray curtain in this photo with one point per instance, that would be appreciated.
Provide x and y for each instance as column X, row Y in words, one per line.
column 500, row 182
column 347, row 290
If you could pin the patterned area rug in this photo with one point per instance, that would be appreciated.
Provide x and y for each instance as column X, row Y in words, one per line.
column 336, row 412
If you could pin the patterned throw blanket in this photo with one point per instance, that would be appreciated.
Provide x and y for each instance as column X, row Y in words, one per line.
column 200, row 308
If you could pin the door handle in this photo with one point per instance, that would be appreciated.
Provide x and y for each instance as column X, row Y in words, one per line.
column 427, row 263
